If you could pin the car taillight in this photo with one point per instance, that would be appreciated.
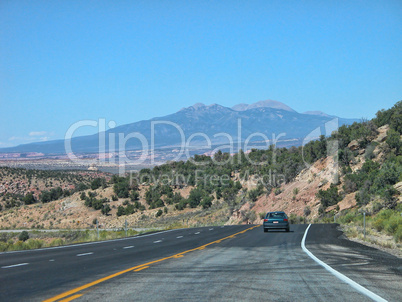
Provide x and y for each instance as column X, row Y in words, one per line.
column 265, row 220
column 285, row 219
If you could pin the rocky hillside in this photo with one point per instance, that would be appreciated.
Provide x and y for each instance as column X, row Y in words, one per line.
column 21, row 186
column 300, row 197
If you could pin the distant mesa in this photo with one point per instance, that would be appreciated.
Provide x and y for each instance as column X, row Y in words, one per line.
column 319, row 113
column 93, row 167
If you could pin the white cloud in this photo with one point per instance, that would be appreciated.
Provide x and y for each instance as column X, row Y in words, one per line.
column 37, row 133
column 34, row 136
column 15, row 138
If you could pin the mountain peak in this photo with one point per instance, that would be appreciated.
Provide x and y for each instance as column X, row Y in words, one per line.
column 240, row 107
column 263, row 104
column 198, row 106
column 201, row 106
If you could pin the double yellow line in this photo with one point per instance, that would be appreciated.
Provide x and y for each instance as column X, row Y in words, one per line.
column 74, row 293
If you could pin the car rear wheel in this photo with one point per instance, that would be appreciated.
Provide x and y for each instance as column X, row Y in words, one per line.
column 265, row 230
column 287, row 230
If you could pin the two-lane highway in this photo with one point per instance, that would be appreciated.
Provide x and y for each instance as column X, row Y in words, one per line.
column 231, row 263
column 37, row 274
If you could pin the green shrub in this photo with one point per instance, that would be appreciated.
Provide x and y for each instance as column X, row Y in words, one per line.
column 18, row 246
column 394, row 141
column 97, row 183
column 57, row 242
column 369, row 154
column 348, row 218
column 97, row 204
column 181, row 205
column 393, row 223
column 398, row 234
column 329, row 197
column 134, row 195
column 255, row 193
column 377, row 207
column 385, row 214
column 29, row 199
column 378, row 224
column 121, row 211
column 130, row 209
column 106, row 209
column 195, row 197
column 24, row 236
column 382, row 219
column 3, row 246
column 363, row 197
column 206, row 202
column 34, row 244
column 121, row 188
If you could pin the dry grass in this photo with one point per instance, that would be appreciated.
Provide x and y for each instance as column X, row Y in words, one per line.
column 373, row 238
column 38, row 239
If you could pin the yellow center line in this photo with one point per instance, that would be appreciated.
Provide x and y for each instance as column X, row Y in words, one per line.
column 71, row 298
column 140, row 269
column 135, row 268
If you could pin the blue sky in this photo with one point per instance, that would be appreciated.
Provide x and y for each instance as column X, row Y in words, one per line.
column 65, row 61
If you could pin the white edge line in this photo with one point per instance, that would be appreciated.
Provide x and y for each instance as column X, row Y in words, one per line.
column 84, row 254
column 128, row 247
column 14, row 265
column 337, row 274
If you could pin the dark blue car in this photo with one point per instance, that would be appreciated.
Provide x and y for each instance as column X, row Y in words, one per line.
column 275, row 221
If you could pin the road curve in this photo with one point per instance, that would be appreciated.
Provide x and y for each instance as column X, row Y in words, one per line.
column 196, row 264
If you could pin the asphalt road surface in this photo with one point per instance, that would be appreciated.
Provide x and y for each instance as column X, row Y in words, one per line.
column 231, row 263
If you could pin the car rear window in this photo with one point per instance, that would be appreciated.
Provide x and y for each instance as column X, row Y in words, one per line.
column 276, row 215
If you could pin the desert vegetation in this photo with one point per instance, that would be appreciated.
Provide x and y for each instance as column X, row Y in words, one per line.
column 38, row 239
column 20, row 186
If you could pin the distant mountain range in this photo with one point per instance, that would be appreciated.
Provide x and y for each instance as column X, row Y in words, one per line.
column 196, row 124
